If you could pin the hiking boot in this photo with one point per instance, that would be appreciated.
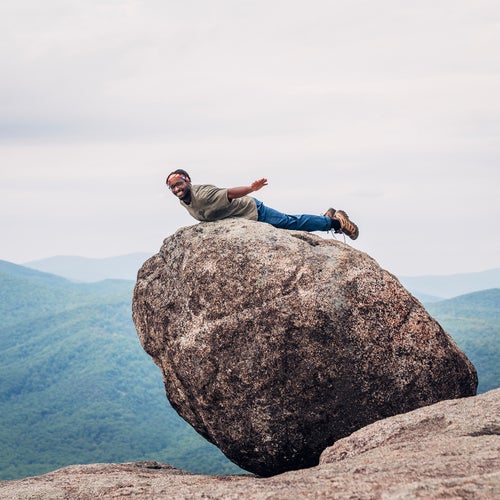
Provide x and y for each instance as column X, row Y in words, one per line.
column 346, row 226
column 330, row 213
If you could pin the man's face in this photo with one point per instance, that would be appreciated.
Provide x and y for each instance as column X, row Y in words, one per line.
column 180, row 187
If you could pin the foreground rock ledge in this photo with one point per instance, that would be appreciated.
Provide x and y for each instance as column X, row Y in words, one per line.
column 447, row 450
column 275, row 344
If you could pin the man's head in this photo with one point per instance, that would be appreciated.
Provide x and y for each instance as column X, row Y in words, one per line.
column 179, row 183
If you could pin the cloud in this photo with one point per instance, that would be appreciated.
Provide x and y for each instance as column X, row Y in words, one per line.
column 390, row 109
column 123, row 68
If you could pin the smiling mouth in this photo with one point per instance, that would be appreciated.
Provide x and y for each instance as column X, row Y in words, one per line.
column 181, row 194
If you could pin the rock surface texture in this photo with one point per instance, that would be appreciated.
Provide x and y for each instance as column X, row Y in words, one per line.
column 447, row 450
column 275, row 344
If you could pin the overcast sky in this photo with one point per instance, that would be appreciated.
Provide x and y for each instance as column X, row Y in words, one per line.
column 387, row 109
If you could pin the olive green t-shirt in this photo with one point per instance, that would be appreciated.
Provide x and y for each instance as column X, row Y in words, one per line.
column 210, row 203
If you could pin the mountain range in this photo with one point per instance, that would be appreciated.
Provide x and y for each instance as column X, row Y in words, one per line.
column 77, row 387
column 430, row 288
column 434, row 288
column 85, row 269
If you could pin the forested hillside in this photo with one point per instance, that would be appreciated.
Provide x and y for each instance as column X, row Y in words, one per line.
column 473, row 320
column 76, row 385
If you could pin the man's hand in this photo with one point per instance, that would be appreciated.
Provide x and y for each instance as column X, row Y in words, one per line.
column 259, row 184
column 238, row 192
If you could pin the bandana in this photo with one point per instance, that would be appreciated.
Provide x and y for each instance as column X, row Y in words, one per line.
column 172, row 178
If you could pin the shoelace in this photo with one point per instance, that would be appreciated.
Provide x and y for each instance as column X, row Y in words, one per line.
column 332, row 232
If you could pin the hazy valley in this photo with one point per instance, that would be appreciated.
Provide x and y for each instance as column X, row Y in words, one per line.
column 78, row 388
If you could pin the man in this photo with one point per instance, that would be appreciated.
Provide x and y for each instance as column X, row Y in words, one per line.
column 208, row 203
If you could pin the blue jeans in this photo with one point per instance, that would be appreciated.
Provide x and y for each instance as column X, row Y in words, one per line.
column 299, row 222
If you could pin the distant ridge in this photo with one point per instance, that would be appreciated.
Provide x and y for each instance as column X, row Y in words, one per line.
column 19, row 271
column 431, row 288
column 87, row 270
column 435, row 288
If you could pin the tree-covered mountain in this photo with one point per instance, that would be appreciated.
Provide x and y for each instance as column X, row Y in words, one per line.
column 26, row 293
column 76, row 385
column 473, row 320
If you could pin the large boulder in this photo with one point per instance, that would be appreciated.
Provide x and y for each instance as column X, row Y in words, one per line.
column 274, row 344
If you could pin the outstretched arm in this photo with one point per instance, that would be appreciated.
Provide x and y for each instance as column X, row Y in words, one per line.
column 238, row 192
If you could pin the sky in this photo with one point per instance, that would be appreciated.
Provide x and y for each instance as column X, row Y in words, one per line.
column 389, row 110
